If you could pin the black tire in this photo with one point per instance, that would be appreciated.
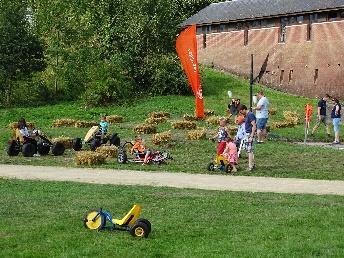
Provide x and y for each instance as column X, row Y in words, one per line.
column 29, row 150
column 77, row 144
column 58, row 149
column 95, row 144
column 115, row 140
column 211, row 167
column 228, row 168
column 13, row 148
column 43, row 148
column 139, row 229
column 97, row 224
column 147, row 222
column 122, row 158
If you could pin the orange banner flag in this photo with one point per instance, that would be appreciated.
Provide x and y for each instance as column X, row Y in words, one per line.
column 187, row 51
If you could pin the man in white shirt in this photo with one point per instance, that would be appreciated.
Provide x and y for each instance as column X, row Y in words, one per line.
column 262, row 115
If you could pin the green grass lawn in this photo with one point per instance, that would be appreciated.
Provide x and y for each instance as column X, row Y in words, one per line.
column 277, row 158
column 43, row 219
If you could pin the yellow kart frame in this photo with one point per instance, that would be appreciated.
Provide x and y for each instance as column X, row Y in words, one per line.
column 131, row 222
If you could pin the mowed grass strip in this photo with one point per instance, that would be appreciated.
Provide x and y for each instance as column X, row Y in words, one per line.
column 43, row 219
column 277, row 158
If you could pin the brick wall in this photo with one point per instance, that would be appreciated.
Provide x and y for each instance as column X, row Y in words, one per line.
column 297, row 57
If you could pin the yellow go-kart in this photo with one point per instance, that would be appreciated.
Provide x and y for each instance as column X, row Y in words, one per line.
column 131, row 222
column 220, row 163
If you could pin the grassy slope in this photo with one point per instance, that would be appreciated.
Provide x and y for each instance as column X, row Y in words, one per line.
column 273, row 159
column 43, row 220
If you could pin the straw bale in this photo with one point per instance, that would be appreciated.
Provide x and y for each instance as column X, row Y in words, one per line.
column 190, row 118
column 64, row 122
column 184, row 125
column 89, row 158
column 145, row 129
column 162, row 138
column 209, row 112
column 14, row 125
column 272, row 111
column 156, row 120
column 213, row 120
column 198, row 134
column 85, row 124
column 159, row 115
column 291, row 117
column 115, row 119
column 283, row 124
column 233, row 130
column 108, row 151
column 66, row 141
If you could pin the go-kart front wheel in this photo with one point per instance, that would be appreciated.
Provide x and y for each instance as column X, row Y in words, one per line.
column 122, row 158
column 13, row 148
column 228, row 168
column 140, row 229
column 211, row 167
column 94, row 220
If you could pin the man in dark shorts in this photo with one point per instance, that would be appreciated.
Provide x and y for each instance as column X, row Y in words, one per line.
column 250, row 128
column 322, row 115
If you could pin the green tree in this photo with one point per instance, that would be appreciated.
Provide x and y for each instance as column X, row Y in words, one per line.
column 21, row 53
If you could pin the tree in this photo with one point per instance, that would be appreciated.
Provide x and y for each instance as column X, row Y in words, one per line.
column 21, row 53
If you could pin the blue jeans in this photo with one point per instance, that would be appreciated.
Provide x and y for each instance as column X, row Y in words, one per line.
column 261, row 123
column 336, row 124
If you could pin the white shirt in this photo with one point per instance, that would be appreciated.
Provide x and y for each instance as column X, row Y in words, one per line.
column 264, row 110
column 24, row 132
column 241, row 132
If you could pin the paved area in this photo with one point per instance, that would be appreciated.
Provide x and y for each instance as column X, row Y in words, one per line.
column 176, row 180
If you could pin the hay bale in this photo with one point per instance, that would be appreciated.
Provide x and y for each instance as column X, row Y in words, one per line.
column 272, row 111
column 89, row 158
column 233, row 130
column 156, row 120
column 162, row 138
column 114, row 119
column 159, row 115
column 85, row 124
column 108, row 151
column 64, row 122
column 213, row 120
column 66, row 141
column 291, row 117
column 14, row 125
column 190, row 118
column 198, row 134
column 208, row 112
column 184, row 125
column 145, row 129
column 283, row 124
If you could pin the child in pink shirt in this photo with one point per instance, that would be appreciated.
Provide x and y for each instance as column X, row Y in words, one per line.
column 231, row 154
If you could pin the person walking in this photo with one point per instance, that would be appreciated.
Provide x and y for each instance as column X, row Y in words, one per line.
column 250, row 128
column 262, row 115
column 336, row 117
column 322, row 115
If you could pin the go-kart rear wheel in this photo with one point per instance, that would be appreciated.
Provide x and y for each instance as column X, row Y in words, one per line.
column 43, row 148
column 77, row 144
column 139, row 229
column 94, row 220
column 122, row 158
column 58, row 149
column 211, row 167
column 115, row 140
column 13, row 148
column 228, row 168
column 95, row 144
column 147, row 222
column 29, row 150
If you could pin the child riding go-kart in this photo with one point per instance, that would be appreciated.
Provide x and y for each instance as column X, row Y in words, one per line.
column 141, row 154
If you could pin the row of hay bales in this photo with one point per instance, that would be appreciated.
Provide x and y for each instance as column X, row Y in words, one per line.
column 291, row 119
column 85, row 124
column 97, row 157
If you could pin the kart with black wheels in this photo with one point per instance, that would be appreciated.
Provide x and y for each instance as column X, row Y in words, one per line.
column 131, row 222
column 155, row 157
column 221, row 164
column 39, row 143
column 94, row 139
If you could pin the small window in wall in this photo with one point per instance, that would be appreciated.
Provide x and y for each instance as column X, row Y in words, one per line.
column 313, row 17
column 231, row 26
column 341, row 15
column 291, row 73
column 309, row 31
column 246, row 37
column 223, row 27
column 292, row 20
column 199, row 30
column 215, row 28
column 322, row 17
column 332, row 16
column 282, row 76
column 255, row 24
column 300, row 19
column 204, row 40
column 239, row 26
column 316, row 75
column 283, row 30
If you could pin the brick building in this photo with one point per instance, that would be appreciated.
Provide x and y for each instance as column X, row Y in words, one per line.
column 298, row 45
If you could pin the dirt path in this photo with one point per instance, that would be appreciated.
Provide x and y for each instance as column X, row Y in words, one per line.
column 177, row 180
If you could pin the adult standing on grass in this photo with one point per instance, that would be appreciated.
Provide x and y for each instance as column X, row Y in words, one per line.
column 336, row 116
column 250, row 128
column 262, row 115
column 322, row 115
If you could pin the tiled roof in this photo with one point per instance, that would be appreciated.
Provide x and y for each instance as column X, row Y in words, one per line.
column 251, row 9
